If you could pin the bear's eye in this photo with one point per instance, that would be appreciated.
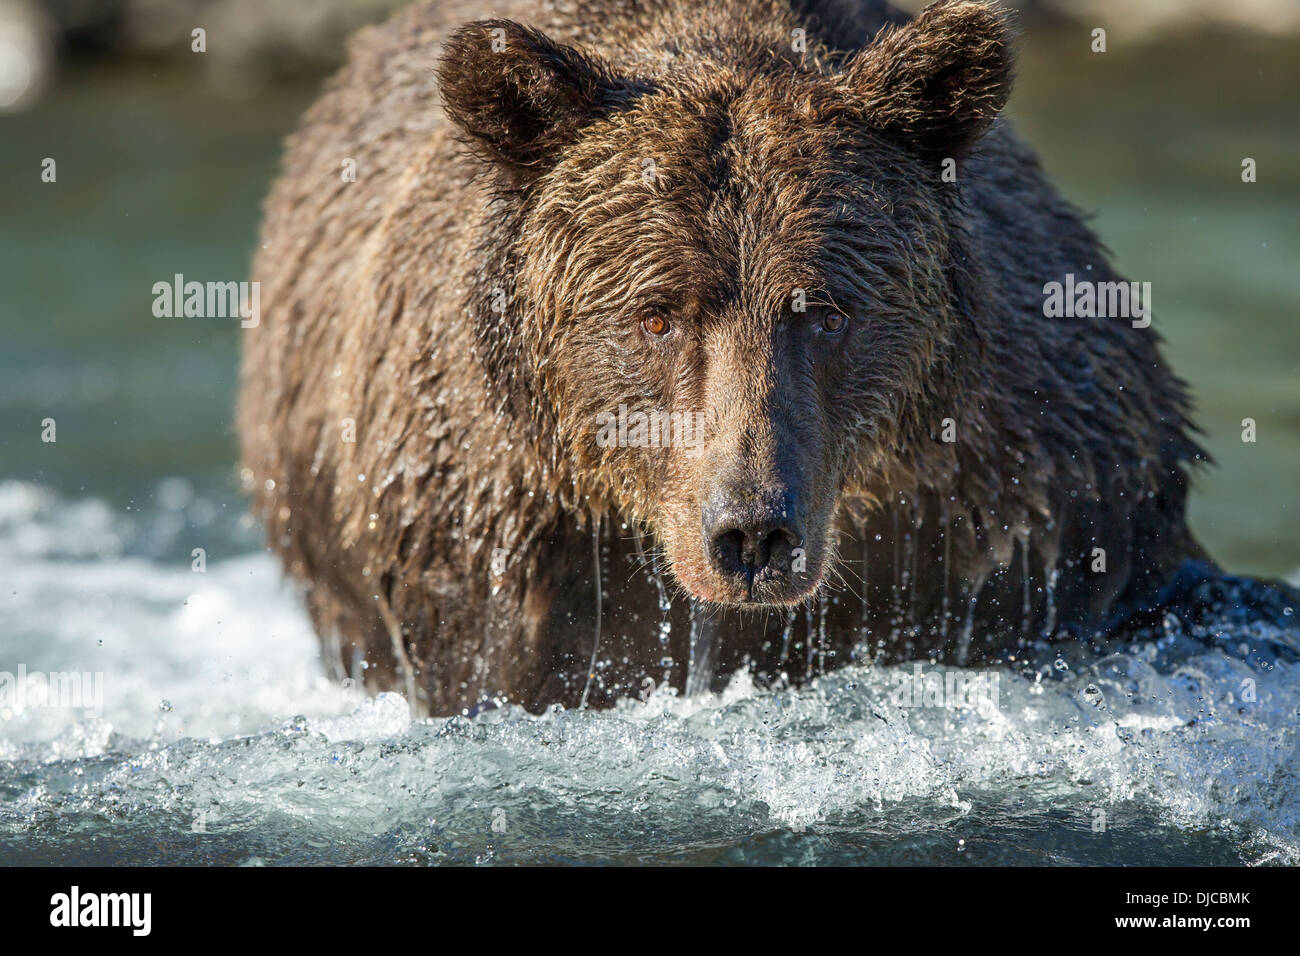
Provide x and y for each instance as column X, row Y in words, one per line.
column 834, row 322
column 655, row 325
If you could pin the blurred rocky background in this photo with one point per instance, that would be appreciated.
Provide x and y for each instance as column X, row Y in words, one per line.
column 249, row 42
column 252, row 42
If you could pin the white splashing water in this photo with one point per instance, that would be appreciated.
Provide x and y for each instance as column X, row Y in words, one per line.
column 220, row 740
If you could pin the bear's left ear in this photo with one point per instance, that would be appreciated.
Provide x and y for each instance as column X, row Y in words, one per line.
column 521, row 96
column 939, row 81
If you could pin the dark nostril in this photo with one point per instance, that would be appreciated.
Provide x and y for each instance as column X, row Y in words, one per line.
column 742, row 546
column 778, row 549
column 729, row 551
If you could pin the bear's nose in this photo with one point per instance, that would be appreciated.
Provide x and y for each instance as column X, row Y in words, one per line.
column 749, row 532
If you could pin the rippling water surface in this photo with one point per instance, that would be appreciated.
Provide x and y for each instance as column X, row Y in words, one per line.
column 218, row 739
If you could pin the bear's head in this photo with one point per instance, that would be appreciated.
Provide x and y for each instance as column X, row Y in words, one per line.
column 733, row 274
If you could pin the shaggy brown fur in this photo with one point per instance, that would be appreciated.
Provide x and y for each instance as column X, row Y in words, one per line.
column 619, row 213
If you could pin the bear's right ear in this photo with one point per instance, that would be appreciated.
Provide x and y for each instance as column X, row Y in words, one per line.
column 939, row 81
column 521, row 96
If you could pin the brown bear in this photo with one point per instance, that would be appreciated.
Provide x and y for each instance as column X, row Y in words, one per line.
column 653, row 340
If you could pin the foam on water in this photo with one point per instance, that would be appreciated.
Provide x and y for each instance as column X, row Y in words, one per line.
column 220, row 740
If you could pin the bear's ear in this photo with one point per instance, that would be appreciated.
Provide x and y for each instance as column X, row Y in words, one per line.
column 519, row 95
column 937, row 82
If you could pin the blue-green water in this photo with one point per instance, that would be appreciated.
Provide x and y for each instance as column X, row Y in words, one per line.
column 204, row 674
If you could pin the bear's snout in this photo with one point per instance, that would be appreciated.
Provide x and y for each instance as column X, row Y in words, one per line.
column 753, row 541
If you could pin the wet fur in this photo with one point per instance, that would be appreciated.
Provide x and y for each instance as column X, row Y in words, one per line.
column 775, row 170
